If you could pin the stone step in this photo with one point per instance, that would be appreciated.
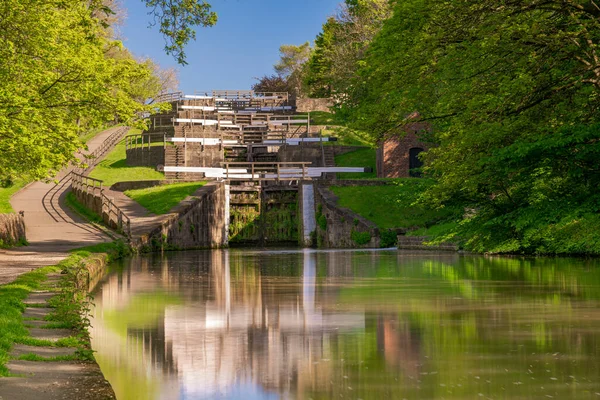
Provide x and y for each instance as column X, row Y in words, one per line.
column 37, row 312
column 52, row 335
column 47, row 352
column 39, row 297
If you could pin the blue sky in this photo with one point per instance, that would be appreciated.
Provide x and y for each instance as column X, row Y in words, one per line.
column 244, row 44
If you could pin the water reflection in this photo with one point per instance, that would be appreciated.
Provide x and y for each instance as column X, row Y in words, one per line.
column 341, row 324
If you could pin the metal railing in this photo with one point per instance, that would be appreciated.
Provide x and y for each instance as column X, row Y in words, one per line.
column 110, row 213
column 96, row 156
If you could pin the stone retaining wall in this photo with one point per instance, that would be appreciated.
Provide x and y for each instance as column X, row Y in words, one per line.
column 339, row 227
column 12, row 230
column 305, row 104
column 92, row 200
column 419, row 243
column 197, row 223
column 146, row 156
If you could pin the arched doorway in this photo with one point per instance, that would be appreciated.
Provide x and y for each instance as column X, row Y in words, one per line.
column 414, row 162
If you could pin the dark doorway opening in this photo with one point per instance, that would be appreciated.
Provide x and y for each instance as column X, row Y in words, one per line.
column 414, row 162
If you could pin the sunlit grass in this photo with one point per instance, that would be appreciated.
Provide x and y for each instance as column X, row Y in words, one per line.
column 114, row 168
column 359, row 158
column 161, row 199
column 392, row 205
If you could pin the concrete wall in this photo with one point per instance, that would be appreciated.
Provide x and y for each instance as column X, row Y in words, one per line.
column 197, row 223
column 12, row 230
column 146, row 156
column 305, row 104
column 339, row 227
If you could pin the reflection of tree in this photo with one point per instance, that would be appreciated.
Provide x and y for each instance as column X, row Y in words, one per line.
column 363, row 324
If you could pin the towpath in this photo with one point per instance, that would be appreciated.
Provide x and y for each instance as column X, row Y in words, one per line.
column 52, row 229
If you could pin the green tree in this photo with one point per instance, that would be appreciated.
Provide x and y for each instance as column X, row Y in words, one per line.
column 291, row 65
column 341, row 45
column 511, row 88
column 176, row 20
column 61, row 74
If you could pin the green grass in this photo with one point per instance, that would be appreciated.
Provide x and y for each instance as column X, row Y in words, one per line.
column 323, row 118
column 86, row 137
column 358, row 158
column 114, row 168
column 6, row 194
column 12, row 323
column 161, row 199
column 71, row 202
column 391, row 206
column 12, row 328
column 347, row 136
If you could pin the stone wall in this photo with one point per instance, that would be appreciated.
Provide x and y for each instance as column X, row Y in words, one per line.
column 12, row 230
column 420, row 243
column 146, row 156
column 301, row 153
column 92, row 200
column 339, row 227
column 196, row 223
column 305, row 104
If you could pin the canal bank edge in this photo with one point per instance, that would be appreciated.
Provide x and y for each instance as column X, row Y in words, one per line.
column 75, row 375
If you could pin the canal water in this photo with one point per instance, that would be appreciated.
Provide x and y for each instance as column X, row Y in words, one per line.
column 307, row 324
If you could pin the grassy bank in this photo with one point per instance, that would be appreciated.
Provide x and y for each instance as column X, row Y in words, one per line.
column 161, row 199
column 70, row 305
column 114, row 168
column 358, row 158
column 393, row 205
column 7, row 192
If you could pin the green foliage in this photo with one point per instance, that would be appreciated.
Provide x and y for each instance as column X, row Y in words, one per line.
column 511, row 91
column 114, row 169
column 388, row 238
column 114, row 250
column 161, row 199
column 12, row 329
column 7, row 192
column 61, row 75
column 393, row 205
column 321, row 218
column 322, row 222
column 292, row 65
column 358, row 158
column 176, row 20
column 360, row 238
column 341, row 44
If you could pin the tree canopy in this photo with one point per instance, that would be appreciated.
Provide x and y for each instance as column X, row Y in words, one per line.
column 511, row 89
column 62, row 74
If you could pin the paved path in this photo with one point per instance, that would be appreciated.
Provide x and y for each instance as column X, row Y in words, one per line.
column 52, row 229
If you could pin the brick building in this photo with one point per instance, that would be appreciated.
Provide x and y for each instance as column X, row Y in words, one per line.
column 397, row 155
